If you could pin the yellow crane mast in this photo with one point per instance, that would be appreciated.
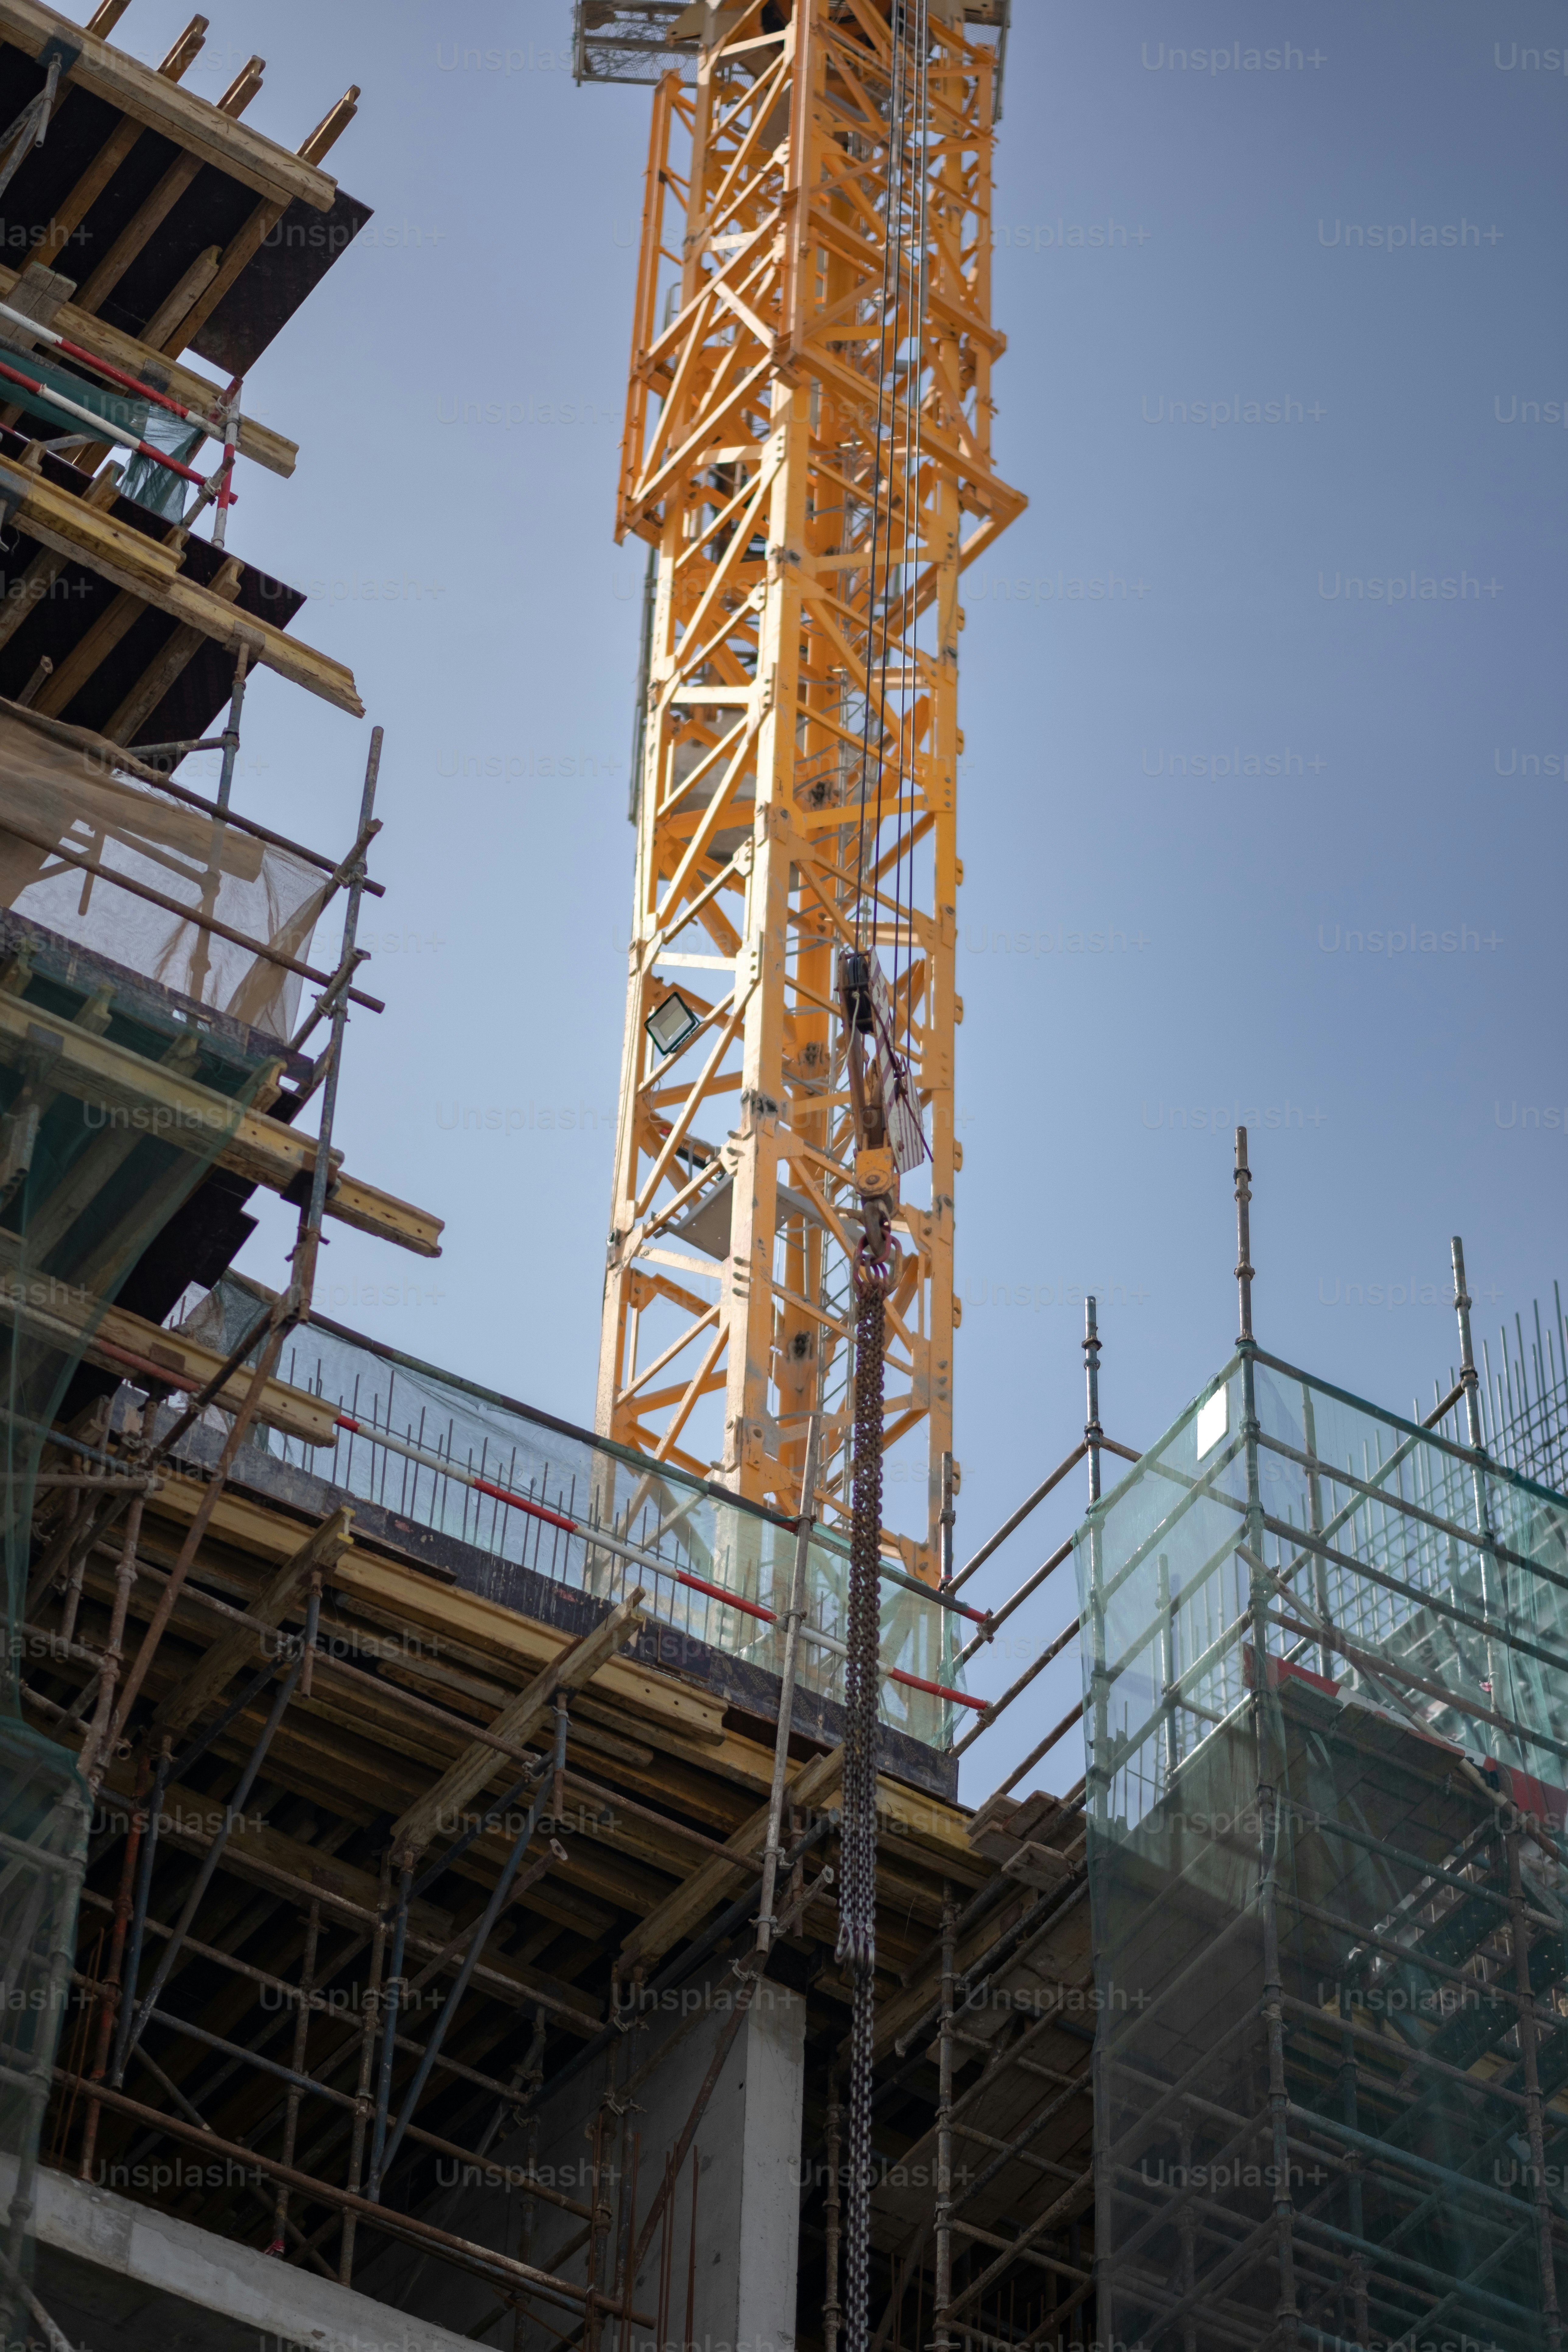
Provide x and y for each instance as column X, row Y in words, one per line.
column 807, row 452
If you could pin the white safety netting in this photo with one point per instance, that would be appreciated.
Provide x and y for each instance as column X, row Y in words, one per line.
column 63, row 800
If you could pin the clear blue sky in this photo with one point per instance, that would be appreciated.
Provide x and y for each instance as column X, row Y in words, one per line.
column 1390, row 1085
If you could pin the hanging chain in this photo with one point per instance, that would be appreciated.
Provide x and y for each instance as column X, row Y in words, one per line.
column 862, row 1699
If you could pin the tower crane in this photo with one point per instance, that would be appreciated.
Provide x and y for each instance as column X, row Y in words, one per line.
column 807, row 456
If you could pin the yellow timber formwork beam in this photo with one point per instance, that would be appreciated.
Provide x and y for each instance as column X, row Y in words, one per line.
column 136, row 1097
column 77, row 1323
column 149, row 569
column 814, row 476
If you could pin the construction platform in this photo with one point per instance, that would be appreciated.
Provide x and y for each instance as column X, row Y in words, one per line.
column 419, row 1817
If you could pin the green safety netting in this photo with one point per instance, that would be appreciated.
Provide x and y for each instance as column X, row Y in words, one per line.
column 1326, row 1693
column 152, row 485
column 126, row 411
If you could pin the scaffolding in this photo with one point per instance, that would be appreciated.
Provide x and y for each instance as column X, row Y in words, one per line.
column 1260, row 2036
column 1312, row 1905
column 390, row 1865
column 440, row 1746
column 154, row 947
column 1327, row 1727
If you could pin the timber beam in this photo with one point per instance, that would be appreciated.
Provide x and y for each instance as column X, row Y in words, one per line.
column 149, row 569
column 149, row 1097
column 159, row 104
column 118, row 1341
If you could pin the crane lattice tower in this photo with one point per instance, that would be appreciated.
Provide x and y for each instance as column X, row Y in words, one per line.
column 807, row 452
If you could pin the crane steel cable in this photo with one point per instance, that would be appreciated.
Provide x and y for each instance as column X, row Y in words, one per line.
column 903, row 905
column 896, row 458
column 907, row 342
column 876, row 1267
column 880, row 486
column 897, row 505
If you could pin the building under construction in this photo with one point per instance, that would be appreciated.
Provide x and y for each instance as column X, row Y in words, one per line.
column 475, row 1878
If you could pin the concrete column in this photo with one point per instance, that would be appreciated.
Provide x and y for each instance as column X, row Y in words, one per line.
column 741, row 2283
column 746, row 2161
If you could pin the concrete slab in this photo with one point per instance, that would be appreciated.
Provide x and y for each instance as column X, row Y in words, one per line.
column 118, row 2276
